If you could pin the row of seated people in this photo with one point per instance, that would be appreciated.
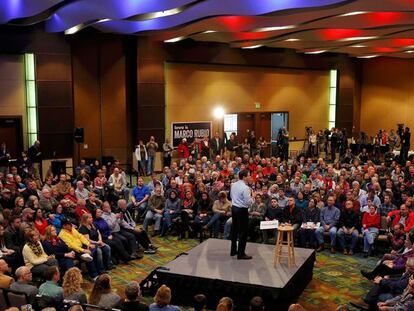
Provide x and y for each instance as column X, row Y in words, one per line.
column 309, row 221
column 101, row 238
column 66, row 293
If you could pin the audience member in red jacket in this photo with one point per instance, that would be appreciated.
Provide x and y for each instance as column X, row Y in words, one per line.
column 183, row 150
column 370, row 228
column 81, row 209
column 403, row 215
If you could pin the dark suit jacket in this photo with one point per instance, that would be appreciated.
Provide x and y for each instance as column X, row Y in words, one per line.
column 295, row 217
column 213, row 146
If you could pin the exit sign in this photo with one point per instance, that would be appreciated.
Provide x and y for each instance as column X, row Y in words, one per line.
column 257, row 105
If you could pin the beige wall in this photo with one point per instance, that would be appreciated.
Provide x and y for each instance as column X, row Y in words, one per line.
column 12, row 89
column 193, row 91
column 387, row 94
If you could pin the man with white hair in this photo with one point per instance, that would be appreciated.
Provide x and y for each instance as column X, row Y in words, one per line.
column 81, row 192
column 47, row 202
column 24, row 277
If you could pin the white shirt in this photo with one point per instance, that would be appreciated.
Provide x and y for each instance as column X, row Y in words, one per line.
column 241, row 195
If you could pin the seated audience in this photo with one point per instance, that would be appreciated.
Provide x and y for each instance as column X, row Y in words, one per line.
column 101, row 252
column 132, row 298
column 405, row 301
column 162, row 300
column 256, row 213
column 172, row 211
column 83, row 248
column 55, row 246
column 370, row 228
column 34, row 255
column 388, row 288
column 225, row 304
column 200, row 302
column 40, row 223
column 24, row 277
column 329, row 223
column 50, row 288
column 72, row 282
column 348, row 232
column 256, row 304
column 155, row 210
column 128, row 225
column 102, row 294
column 311, row 216
column 403, row 215
column 114, row 222
column 118, row 245
column 5, row 280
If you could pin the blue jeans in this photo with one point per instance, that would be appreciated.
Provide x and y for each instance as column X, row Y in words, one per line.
column 143, row 166
column 151, row 161
column 369, row 237
column 140, row 209
column 215, row 222
column 168, row 218
column 150, row 215
column 319, row 235
column 343, row 238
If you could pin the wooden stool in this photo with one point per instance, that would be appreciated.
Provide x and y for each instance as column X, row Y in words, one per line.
column 284, row 237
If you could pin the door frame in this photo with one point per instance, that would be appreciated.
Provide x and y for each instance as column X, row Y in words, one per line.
column 19, row 119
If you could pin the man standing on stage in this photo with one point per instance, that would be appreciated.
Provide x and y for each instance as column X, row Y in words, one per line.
column 241, row 199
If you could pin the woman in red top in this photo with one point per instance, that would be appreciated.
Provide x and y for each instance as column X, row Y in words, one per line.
column 40, row 223
column 71, row 196
column 370, row 227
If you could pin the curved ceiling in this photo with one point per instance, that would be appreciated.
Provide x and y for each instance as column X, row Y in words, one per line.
column 362, row 28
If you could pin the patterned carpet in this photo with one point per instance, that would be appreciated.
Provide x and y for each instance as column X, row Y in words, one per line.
column 336, row 278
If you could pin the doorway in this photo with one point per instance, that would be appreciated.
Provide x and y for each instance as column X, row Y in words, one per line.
column 11, row 132
column 278, row 120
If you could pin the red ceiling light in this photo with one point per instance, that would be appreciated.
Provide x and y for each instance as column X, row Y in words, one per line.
column 235, row 23
column 402, row 42
column 251, row 35
column 337, row 34
column 384, row 18
column 384, row 50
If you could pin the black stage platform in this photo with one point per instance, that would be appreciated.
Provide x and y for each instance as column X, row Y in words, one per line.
column 209, row 269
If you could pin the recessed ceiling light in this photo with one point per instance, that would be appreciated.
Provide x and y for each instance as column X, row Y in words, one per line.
column 292, row 40
column 315, row 52
column 209, row 31
column 273, row 28
column 358, row 46
column 358, row 38
column 353, row 13
column 367, row 56
column 174, row 40
column 409, row 51
column 252, row 46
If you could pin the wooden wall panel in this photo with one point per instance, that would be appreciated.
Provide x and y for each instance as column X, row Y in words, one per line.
column 114, row 117
column 54, row 93
column 150, row 109
column 100, row 96
column 54, row 77
column 86, row 94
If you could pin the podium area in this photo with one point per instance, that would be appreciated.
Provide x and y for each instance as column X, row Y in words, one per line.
column 209, row 269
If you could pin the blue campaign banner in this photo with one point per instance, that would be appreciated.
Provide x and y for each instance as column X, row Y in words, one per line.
column 189, row 131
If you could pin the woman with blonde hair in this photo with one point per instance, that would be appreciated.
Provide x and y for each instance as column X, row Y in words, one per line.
column 102, row 294
column 225, row 304
column 34, row 256
column 162, row 300
column 53, row 245
column 72, row 282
